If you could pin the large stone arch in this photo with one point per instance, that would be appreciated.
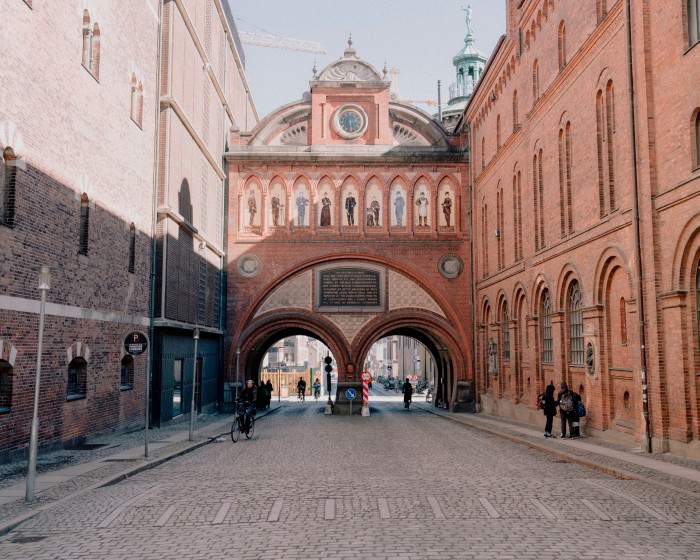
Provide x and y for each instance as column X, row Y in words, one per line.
column 288, row 306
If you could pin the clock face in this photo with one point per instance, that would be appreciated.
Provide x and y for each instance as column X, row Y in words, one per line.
column 350, row 121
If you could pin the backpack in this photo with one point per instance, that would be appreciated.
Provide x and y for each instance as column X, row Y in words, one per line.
column 580, row 409
column 566, row 402
column 540, row 401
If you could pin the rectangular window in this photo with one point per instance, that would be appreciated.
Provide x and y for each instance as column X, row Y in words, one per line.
column 5, row 386
column 77, row 379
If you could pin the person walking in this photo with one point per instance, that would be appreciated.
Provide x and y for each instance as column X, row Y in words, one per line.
column 269, row 388
column 565, row 398
column 407, row 393
column 317, row 388
column 550, row 408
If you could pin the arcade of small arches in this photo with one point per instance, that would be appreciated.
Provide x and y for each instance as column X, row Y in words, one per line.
column 420, row 205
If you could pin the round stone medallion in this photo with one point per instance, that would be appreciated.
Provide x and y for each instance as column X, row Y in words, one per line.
column 249, row 265
column 450, row 266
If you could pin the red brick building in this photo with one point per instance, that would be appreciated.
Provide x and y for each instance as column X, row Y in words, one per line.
column 349, row 222
column 83, row 85
column 586, row 216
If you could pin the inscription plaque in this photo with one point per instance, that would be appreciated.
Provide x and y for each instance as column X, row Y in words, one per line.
column 347, row 288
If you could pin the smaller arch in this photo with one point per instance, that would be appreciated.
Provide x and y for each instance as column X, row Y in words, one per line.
column 568, row 273
column 610, row 258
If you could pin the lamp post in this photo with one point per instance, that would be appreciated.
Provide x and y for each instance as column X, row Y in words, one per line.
column 44, row 286
column 238, row 355
column 195, row 335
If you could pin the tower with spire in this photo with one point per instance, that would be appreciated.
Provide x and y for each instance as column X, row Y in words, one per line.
column 469, row 63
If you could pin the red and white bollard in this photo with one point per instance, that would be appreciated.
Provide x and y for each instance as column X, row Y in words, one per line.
column 366, row 378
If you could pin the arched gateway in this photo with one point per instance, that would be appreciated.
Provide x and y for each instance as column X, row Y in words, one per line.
column 348, row 223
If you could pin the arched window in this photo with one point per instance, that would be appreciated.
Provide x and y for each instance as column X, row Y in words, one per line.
column 483, row 153
column 575, row 325
column 498, row 132
column 136, row 100
column 535, row 192
column 540, row 189
column 506, row 334
column 84, row 225
column 601, row 9
column 484, row 238
column 91, row 45
column 546, row 321
column 623, row 321
column 127, row 373
column 517, row 219
column 499, row 227
column 8, row 186
column 515, row 111
column 77, row 379
column 535, row 82
column 605, row 122
column 132, row 248
column 693, row 14
column 562, row 45
column 697, row 139
column 565, row 202
column 6, row 378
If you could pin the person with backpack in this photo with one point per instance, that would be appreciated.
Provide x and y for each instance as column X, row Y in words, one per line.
column 565, row 398
column 575, row 416
column 549, row 407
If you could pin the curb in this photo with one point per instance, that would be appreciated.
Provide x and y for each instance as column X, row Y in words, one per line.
column 9, row 525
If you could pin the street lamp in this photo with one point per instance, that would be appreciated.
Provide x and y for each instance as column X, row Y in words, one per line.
column 44, row 286
column 238, row 355
column 195, row 335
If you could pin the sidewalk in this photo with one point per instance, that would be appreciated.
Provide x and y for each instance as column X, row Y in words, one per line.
column 102, row 461
column 671, row 471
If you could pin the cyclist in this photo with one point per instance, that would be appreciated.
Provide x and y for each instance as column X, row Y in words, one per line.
column 301, row 388
column 317, row 388
column 248, row 396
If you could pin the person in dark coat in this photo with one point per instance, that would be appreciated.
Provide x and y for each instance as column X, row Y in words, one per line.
column 407, row 393
column 269, row 388
column 262, row 396
column 575, row 418
column 550, row 408
column 566, row 415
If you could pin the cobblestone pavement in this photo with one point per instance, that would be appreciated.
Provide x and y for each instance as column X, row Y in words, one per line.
column 395, row 486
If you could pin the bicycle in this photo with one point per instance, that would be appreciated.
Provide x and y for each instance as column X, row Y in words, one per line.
column 238, row 425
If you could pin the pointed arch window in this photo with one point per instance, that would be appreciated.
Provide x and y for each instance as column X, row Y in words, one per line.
column 601, row 9
column 8, row 187
column 136, row 101
column 535, row 82
column 623, row 322
column 605, row 123
column 515, row 111
column 498, row 132
column 91, row 46
column 517, row 219
column 565, row 202
column 506, row 333
column 499, row 227
column 484, row 239
column 693, row 15
column 562, row 45
column 83, row 244
column 697, row 138
column 546, row 320
column 575, row 325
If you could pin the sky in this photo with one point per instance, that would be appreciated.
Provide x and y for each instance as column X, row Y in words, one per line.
column 419, row 37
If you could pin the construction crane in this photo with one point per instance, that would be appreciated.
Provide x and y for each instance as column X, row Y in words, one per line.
column 408, row 99
column 279, row 42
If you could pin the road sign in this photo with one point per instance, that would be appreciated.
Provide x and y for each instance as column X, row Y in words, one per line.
column 350, row 394
column 135, row 343
column 366, row 376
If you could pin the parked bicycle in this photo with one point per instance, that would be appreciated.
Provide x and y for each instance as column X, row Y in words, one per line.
column 244, row 422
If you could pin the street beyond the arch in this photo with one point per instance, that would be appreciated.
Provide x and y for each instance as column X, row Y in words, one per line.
column 312, row 486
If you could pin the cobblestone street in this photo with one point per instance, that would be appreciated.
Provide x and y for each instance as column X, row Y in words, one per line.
column 397, row 485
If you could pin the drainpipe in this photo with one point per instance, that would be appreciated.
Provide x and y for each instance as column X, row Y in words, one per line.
column 154, row 209
column 637, row 233
column 471, row 259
